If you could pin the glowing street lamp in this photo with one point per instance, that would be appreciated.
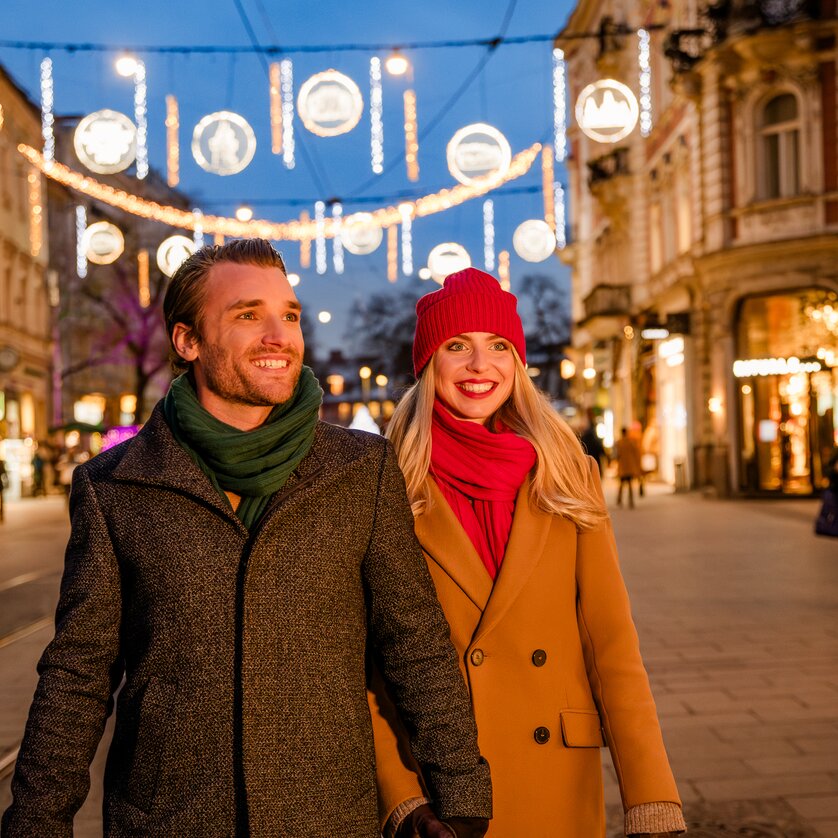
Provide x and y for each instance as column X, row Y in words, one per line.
column 396, row 63
column 324, row 316
column 244, row 213
column 365, row 373
column 126, row 65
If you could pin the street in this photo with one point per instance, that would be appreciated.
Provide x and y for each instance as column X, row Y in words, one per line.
column 735, row 603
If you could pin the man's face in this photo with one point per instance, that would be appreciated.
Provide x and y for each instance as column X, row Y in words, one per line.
column 250, row 352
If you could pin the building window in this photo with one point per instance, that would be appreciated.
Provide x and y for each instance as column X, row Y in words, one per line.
column 780, row 140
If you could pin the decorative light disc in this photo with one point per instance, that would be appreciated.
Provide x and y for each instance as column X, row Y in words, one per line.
column 447, row 258
column 223, row 143
column 534, row 240
column 106, row 142
column 173, row 252
column 477, row 150
column 360, row 234
column 102, row 243
column 330, row 104
column 607, row 111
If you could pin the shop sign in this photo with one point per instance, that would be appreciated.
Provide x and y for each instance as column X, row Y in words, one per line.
column 173, row 252
column 360, row 234
column 752, row 367
column 607, row 111
column 223, row 143
column 102, row 243
column 106, row 142
column 534, row 240
column 330, row 104
column 446, row 259
column 672, row 351
column 478, row 150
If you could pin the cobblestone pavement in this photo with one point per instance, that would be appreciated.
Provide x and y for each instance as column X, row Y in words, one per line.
column 736, row 604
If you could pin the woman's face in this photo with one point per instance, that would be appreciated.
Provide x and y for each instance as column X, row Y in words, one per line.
column 474, row 375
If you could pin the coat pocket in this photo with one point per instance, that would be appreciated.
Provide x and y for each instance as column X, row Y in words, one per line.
column 581, row 729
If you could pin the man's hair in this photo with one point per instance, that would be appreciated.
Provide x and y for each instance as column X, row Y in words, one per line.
column 184, row 300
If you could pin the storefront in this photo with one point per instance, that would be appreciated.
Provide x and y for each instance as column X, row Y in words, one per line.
column 786, row 376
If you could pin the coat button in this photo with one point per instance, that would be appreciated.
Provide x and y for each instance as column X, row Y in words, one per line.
column 539, row 657
column 541, row 735
column 477, row 657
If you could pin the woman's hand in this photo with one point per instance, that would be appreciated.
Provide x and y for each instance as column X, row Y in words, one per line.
column 423, row 823
column 654, row 835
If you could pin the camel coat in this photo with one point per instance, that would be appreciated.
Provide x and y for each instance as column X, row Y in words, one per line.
column 551, row 658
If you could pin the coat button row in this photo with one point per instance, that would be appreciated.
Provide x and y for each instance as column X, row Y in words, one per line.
column 541, row 735
column 539, row 657
column 477, row 657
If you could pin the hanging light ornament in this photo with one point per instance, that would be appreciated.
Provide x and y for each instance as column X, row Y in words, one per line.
column 489, row 234
column 81, row 226
column 447, row 258
column 141, row 119
column 476, row 151
column 406, row 212
column 360, row 234
column 503, row 270
column 172, row 141
column 534, row 240
column 143, row 284
column 105, row 141
column 102, row 243
column 644, row 63
column 411, row 136
column 47, row 116
column 223, row 143
column 173, row 252
column 36, row 212
column 305, row 243
column 330, row 104
column 337, row 241
column 559, row 106
column 392, row 253
column 320, row 239
column 198, row 232
column 376, row 122
column 286, row 81
column 276, row 107
column 548, row 186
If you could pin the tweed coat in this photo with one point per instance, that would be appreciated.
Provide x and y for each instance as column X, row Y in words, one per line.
column 551, row 658
column 243, row 710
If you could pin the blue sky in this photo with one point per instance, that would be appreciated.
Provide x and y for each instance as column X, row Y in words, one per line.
column 513, row 92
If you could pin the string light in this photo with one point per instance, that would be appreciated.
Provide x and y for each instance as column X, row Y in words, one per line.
column 218, row 239
column 81, row 256
column 376, row 122
column 143, row 287
column 36, row 212
column 198, row 230
column 172, row 143
column 392, row 253
column 305, row 243
column 643, row 61
column 47, row 116
column 559, row 229
column 548, row 186
column 141, row 118
column 411, row 136
column 503, row 269
column 296, row 230
column 559, row 106
column 286, row 76
column 320, row 237
column 2, row 117
column 489, row 234
column 337, row 242
column 406, row 210
column 276, row 107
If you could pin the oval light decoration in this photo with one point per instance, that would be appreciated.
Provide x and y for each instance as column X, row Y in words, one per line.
column 173, row 252
column 477, row 150
column 607, row 111
column 102, row 243
column 360, row 234
column 106, row 142
column 447, row 258
column 223, row 143
column 330, row 103
column 534, row 240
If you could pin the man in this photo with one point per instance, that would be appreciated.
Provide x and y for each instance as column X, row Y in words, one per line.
column 629, row 465
column 233, row 562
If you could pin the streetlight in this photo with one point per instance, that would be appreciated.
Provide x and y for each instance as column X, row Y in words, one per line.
column 381, row 381
column 126, row 65
column 244, row 213
column 365, row 373
column 396, row 63
column 324, row 316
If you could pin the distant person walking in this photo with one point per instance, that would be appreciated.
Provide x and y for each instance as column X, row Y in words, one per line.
column 629, row 466
column 4, row 480
column 592, row 443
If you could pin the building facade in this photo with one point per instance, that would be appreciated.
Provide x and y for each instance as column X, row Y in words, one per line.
column 703, row 249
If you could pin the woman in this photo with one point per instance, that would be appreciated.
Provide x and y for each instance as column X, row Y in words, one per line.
column 511, row 517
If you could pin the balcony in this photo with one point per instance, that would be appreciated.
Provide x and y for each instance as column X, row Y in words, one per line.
column 606, row 310
column 609, row 166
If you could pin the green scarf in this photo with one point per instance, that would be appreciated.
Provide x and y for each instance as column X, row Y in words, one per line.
column 253, row 464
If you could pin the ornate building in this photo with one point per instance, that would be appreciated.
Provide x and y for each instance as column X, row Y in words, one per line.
column 703, row 245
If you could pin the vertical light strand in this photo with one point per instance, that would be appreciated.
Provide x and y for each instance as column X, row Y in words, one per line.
column 276, row 107
column 489, row 234
column 376, row 122
column 286, row 76
column 143, row 286
column 406, row 212
column 559, row 204
column 172, row 142
column 36, row 212
column 218, row 239
column 337, row 243
column 305, row 244
column 548, row 185
column 645, row 66
column 392, row 253
column 503, row 269
column 47, row 115
column 559, row 106
column 81, row 226
column 320, row 240
column 411, row 136
column 141, row 118
column 198, row 231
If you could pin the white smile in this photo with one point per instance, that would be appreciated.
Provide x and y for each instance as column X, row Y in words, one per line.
column 476, row 388
column 271, row 364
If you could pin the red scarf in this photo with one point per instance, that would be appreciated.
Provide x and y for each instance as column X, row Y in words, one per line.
column 479, row 474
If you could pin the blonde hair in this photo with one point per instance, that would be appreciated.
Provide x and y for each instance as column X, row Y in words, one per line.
column 561, row 483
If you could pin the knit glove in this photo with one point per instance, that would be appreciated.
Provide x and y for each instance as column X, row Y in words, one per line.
column 423, row 823
column 654, row 835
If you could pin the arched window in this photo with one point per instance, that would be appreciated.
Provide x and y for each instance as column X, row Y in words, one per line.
column 780, row 139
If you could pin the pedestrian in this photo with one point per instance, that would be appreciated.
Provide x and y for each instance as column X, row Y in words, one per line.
column 629, row 466
column 827, row 521
column 4, row 482
column 591, row 442
column 66, row 466
column 234, row 562
column 38, row 488
column 510, row 514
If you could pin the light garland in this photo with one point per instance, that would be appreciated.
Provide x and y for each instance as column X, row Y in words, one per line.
column 296, row 230
column 320, row 237
column 337, row 242
column 548, row 186
column 276, row 107
column 559, row 106
column 376, row 122
column 36, row 212
column 559, row 203
column 411, row 136
column 141, row 119
column 406, row 211
column 489, row 234
column 305, row 244
column 81, row 256
column 218, row 239
column 286, row 79
column 172, row 143
column 503, row 269
column 198, row 230
column 143, row 287
column 392, row 253
column 643, row 61
column 47, row 115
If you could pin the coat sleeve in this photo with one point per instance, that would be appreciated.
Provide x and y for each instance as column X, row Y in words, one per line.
column 616, row 672
column 411, row 643
column 79, row 671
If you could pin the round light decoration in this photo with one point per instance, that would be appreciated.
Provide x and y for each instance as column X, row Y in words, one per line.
column 102, row 243
column 478, row 150
column 534, row 240
column 106, row 142
column 447, row 258
column 360, row 234
column 607, row 111
column 330, row 103
column 173, row 252
column 223, row 143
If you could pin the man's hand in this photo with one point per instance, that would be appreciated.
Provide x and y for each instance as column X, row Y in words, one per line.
column 423, row 823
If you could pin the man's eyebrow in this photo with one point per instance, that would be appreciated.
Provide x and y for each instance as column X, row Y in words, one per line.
column 238, row 304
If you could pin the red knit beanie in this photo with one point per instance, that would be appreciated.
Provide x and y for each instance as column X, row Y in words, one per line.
column 469, row 301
